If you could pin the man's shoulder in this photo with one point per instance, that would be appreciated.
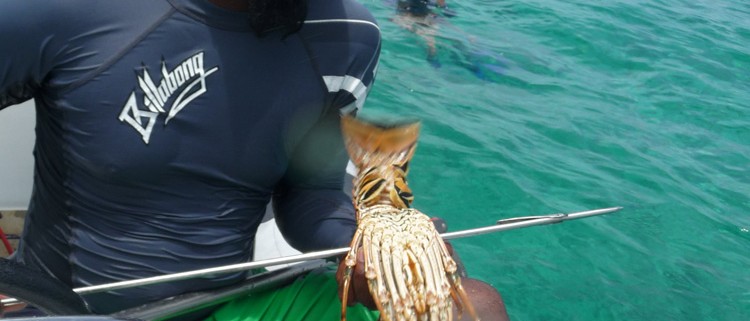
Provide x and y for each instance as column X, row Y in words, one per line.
column 73, row 11
column 339, row 9
column 343, row 20
column 73, row 19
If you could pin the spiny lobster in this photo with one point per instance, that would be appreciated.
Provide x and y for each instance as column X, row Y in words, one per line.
column 409, row 271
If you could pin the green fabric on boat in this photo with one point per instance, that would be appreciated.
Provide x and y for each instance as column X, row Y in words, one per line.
column 311, row 297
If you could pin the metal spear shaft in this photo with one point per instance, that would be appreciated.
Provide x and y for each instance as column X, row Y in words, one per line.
column 501, row 225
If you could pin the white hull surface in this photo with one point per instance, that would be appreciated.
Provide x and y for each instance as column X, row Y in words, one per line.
column 270, row 244
column 16, row 159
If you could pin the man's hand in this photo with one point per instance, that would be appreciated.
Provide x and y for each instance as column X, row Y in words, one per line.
column 358, row 290
column 10, row 308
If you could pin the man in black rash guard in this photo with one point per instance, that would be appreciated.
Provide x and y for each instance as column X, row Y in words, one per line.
column 164, row 127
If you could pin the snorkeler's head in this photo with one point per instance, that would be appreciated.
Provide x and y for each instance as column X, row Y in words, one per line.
column 417, row 8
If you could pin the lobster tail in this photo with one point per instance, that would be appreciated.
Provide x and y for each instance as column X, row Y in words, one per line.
column 381, row 153
column 374, row 144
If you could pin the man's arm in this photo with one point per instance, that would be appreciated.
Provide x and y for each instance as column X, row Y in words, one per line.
column 22, row 62
column 312, row 210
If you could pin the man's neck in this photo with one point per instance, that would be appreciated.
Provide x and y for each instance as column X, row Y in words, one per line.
column 236, row 5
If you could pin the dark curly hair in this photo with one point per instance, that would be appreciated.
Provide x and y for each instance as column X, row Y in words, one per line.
column 268, row 16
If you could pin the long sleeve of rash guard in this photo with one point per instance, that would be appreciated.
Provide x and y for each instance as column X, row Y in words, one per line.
column 23, row 62
column 44, row 51
column 312, row 210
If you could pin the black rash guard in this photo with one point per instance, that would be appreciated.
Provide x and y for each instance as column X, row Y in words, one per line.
column 165, row 127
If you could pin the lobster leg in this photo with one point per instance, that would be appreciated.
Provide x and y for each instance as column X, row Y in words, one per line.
column 350, row 261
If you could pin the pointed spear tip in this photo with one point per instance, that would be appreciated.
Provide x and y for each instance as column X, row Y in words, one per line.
column 607, row 209
column 601, row 211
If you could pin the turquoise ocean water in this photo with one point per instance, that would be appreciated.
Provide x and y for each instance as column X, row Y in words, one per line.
column 544, row 106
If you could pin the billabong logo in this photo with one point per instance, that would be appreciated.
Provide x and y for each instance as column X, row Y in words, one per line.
column 187, row 81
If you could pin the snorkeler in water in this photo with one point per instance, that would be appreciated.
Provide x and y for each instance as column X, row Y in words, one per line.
column 419, row 17
column 425, row 18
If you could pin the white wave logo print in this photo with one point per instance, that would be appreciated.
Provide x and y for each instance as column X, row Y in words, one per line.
column 187, row 81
